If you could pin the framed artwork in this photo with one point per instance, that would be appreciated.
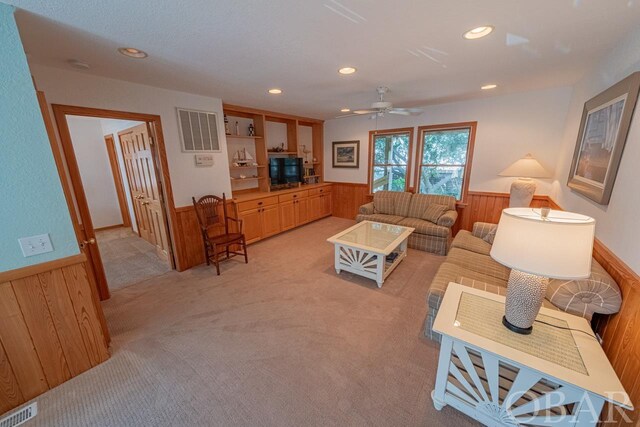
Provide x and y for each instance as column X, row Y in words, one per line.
column 346, row 154
column 606, row 119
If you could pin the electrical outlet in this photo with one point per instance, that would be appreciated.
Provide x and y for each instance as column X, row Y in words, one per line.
column 35, row 245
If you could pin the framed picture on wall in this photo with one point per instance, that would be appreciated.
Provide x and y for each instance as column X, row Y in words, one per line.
column 346, row 154
column 606, row 119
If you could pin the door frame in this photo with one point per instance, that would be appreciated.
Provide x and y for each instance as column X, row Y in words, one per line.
column 110, row 142
column 161, row 166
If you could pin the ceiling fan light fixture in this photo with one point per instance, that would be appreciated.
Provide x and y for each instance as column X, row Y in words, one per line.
column 275, row 91
column 478, row 32
column 345, row 110
column 347, row 70
column 132, row 52
column 490, row 86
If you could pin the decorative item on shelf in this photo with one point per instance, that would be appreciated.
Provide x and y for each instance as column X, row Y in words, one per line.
column 346, row 154
column 278, row 149
column 242, row 176
column 524, row 187
column 227, row 131
column 306, row 152
column 538, row 244
column 237, row 129
column 606, row 119
column 242, row 158
column 252, row 130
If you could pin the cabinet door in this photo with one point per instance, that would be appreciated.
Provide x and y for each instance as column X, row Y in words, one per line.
column 326, row 204
column 287, row 215
column 315, row 207
column 252, row 225
column 302, row 211
column 270, row 220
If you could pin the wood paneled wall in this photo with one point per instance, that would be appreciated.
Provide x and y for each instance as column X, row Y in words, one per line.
column 51, row 328
column 347, row 198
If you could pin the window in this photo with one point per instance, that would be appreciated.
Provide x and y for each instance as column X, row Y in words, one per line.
column 390, row 152
column 445, row 154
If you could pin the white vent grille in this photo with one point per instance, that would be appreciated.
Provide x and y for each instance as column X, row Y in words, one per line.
column 20, row 417
column 198, row 130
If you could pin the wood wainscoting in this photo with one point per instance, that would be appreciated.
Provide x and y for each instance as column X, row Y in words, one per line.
column 348, row 197
column 51, row 328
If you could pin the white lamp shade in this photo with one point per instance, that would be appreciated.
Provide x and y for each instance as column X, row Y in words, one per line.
column 526, row 167
column 559, row 246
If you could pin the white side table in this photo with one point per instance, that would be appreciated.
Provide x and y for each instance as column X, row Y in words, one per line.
column 554, row 376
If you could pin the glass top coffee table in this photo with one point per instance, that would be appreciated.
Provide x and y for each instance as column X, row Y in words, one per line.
column 370, row 249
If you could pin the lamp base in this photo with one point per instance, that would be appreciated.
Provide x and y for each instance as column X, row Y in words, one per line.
column 525, row 293
column 514, row 328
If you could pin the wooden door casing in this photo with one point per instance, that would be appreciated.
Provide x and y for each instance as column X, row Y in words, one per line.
column 145, row 190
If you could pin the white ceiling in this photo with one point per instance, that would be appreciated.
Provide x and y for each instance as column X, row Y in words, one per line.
column 236, row 50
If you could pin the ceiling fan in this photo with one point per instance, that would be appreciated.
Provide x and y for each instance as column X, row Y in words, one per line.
column 381, row 107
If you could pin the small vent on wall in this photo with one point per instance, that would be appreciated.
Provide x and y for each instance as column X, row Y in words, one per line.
column 20, row 417
column 198, row 131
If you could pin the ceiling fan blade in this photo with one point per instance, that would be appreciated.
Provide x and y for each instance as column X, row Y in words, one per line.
column 407, row 111
column 364, row 111
column 345, row 115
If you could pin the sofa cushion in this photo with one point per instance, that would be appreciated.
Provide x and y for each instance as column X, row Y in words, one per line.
column 425, row 227
column 465, row 240
column 387, row 219
column 449, row 272
column 490, row 236
column 420, row 202
column 433, row 212
column 392, row 202
column 482, row 264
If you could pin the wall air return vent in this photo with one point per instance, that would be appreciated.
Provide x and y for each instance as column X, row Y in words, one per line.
column 20, row 417
column 198, row 131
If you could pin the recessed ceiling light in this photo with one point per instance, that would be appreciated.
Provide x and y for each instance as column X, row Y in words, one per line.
column 478, row 32
column 132, row 52
column 275, row 91
column 345, row 110
column 487, row 87
column 347, row 70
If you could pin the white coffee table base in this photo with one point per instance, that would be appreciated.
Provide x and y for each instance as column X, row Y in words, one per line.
column 366, row 263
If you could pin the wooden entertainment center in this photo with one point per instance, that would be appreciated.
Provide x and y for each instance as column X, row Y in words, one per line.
column 266, row 212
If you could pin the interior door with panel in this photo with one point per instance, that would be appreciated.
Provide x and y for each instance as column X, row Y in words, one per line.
column 287, row 215
column 302, row 210
column 326, row 204
column 252, row 224
column 144, row 185
column 315, row 207
column 270, row 220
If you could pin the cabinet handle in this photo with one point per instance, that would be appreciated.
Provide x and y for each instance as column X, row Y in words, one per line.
column 295, row 195
column 259, row 203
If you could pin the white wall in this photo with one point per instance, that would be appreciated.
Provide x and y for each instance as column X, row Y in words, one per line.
column 509, row 127
column 95, row 170
column 617, row 223
column 112, row 127
column 77, row 88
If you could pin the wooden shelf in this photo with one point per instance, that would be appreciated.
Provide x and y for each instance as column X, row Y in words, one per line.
column 283, row 153
column 311, row 176
column 246, row 167
column 251, row 178
column 244, row 137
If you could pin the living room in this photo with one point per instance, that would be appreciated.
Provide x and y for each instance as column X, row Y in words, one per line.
column 321, row 323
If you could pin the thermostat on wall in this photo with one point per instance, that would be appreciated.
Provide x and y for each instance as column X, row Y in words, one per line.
column 204, row 159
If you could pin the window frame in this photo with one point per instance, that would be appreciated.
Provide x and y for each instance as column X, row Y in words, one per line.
column 395, row 131
column 470, row 148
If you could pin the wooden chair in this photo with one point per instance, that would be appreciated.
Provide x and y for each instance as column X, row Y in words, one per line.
column 215, row 229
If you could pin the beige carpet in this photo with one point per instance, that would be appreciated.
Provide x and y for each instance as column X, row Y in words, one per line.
column 128, row 258
column 282, row 341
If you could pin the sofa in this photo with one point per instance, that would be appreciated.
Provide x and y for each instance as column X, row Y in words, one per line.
column 431, row 215
column 470, row 264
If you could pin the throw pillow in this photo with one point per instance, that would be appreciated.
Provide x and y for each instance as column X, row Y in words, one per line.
column 434, row 211
column 490, row 236
column 383, row 205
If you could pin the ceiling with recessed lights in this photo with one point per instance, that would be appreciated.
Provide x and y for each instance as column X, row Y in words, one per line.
column 238, row 50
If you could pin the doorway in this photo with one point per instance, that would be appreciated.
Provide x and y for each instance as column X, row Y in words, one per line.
column 117, row 167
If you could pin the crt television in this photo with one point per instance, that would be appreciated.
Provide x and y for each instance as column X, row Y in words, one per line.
column 285, row 170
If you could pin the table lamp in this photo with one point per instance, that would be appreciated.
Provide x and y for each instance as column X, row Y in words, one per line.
column 523, row 188
column 537, row 244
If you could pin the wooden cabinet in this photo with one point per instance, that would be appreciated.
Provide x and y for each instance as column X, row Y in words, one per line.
column 270, row 215
column 287, row 215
